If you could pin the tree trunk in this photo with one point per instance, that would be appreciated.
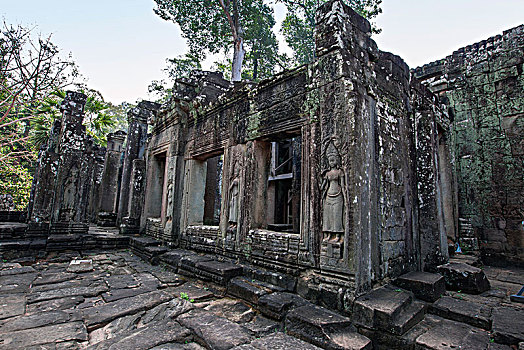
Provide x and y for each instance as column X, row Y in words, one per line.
column 238, row 59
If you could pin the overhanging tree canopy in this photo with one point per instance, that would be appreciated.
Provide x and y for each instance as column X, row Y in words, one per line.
column 217, row 26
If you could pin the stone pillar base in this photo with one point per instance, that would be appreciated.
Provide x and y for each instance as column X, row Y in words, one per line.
column 106, row 219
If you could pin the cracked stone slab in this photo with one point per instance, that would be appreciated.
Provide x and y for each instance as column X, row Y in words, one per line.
column 100, row 315
column 169, row 278
column 477, row 315
column 39, row 320
column 174, row 346
column 508, row 325
column 16, row 283
column 54, row 304
column 122, row 281
column 146, row 337
column 43, row 335
column 213, row 331
column 194, row 292
column 66, row 292
column 12, row 305
column 447, row 334
column 246, row 289
column 117, row 294
column 324, row 328
column 17, row 270
column 51, row 278
column 233, row 310
column 278, row 341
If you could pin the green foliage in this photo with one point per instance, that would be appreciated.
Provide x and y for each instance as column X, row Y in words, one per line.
column 33, row 77
column 206, row 27
column 299, row 24
column 15, row 180
column 185, row 296
column 177, row 67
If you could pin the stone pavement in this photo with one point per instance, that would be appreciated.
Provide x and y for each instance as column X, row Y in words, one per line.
column 125, row 303
column 122, row 302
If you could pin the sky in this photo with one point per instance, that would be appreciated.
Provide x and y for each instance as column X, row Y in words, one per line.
column 120, row 46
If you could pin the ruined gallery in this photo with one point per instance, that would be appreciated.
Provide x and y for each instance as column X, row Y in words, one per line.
column 352, row 203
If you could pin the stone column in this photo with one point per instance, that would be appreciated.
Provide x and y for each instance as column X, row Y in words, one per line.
column 109, row 184
column 99, row 156
column 68, row 215
column 131, row 223
column 135, row 148
column 42, row 191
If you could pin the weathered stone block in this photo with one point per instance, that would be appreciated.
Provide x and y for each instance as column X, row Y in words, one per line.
column 463, row 277
column 276, row 305
column 426, row 286
column 213, row 331
column 380, row 307
column 477, row 315
column 507, row 325
column 219, row 272
column 324, row 328
column 281, row 341
column 452, row 335
column 249, row 290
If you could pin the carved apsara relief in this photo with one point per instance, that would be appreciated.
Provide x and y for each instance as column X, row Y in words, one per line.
column 333, row 190
column 234, row 191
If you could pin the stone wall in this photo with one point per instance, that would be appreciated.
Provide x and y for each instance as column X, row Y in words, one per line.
column 483, row 85
column 362, row 190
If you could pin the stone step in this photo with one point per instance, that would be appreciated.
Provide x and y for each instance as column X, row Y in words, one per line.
column 424, row 285
column 284, row 281
column 171, row 258
column 463, row 277
column 474, row 314
column 249, row 290
column 143, row 241
column 276, row 305
column 324, row 328
column 277, row 341
column 380, row 308
column 10, row 230
column 447, row 334
column 213, row 331
column 413, row 314
column 217, row 271
column 188, row 264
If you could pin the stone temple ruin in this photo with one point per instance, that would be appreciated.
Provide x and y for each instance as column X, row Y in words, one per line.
column 323, row 183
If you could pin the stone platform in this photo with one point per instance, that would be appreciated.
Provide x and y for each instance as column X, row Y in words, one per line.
column 193, row 301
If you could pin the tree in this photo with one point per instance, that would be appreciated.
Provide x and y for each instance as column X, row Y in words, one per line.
column 100, row 117
column 30, row 70
column 33, row 76
column 217, row 26
column 299, row 23
column 177, row 67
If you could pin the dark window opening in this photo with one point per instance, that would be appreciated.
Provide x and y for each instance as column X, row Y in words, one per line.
column 157, row 186
column 283, row 201
column 213, row 190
